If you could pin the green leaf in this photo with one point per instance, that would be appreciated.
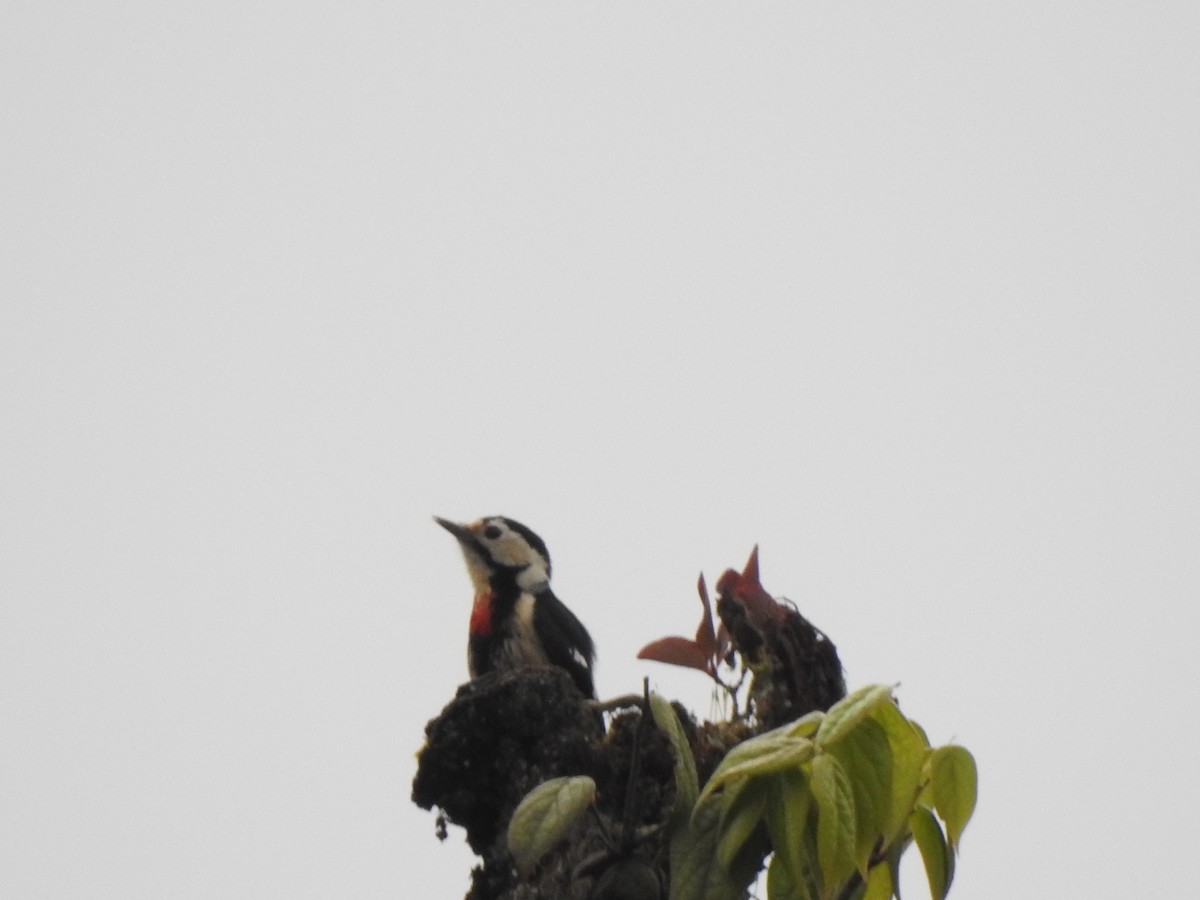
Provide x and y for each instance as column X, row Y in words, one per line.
column 749, row 860
column 733, row 790
column 696, row 873
column 879, row 884
column 920, row 732
column 909, row 752
column 844, row 715
column 780, row 885
column 687, row 785
column 938, row 858
column 836, row 826
column 866, row 757
column 954, row 778
column 762, row 755
column 894, row 854
column 740, row 820
column 787, row 824
column 545, row 816
column 805, row 726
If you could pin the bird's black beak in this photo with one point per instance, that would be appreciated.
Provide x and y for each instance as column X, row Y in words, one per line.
column 461, row 532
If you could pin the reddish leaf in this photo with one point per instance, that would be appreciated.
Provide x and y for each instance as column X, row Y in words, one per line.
column 706, row 637
column 750, row 573
column 727, row 583
column 677, row 651
column 760, row 606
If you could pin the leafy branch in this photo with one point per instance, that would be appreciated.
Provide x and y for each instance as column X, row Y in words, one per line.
column 710, row 651
column 836, row 798
column 794, row 666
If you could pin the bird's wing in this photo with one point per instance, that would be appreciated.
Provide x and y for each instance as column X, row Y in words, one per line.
column 566, row 641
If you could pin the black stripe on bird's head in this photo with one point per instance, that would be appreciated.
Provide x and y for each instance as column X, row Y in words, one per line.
column 498, row 548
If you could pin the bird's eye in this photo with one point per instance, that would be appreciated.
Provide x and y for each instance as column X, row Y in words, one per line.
column 492, row 532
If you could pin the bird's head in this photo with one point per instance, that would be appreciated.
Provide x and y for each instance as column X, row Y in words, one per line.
column 496, row 547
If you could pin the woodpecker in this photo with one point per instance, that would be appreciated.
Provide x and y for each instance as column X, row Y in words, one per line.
column 516, row 621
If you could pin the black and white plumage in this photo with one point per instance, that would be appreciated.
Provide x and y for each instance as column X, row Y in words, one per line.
column 516, row 621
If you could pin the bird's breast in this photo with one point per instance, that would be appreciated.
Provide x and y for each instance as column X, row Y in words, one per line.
column 520, row 644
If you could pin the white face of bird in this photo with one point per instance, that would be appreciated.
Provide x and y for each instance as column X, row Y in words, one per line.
column 496, row 542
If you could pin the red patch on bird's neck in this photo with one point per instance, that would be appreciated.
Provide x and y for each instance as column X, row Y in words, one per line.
column 481, row 614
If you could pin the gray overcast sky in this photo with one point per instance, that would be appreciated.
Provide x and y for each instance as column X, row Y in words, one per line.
column 908, row 295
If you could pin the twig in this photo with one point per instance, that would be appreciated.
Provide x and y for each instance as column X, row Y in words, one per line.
column 622, row 702
column 635, row 771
